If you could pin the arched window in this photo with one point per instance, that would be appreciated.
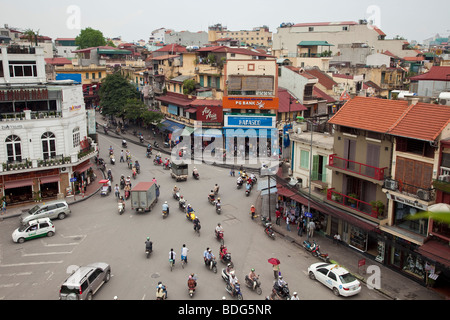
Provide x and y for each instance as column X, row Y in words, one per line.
column 13, row 148
column 48, row 145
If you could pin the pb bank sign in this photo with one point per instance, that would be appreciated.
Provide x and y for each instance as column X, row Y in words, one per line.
column 244, row 122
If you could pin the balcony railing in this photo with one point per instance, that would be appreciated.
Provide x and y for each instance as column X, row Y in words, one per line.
column 356, row 167
column 352, row 203
column 425, row 194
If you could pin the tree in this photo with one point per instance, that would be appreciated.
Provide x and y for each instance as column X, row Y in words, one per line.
column 188, row 86
column 114, row 92
column 32, row 35
column 90, row 38
column 136, row 110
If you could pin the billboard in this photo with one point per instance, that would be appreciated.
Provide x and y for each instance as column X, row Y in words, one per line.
column 250, row 102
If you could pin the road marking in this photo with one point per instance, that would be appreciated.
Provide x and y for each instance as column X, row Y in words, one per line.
column 30, row 263
column 16, row 274
column 10, row 285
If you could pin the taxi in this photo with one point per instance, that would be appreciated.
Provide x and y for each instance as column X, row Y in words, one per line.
column 34, row 229
column 336, row 278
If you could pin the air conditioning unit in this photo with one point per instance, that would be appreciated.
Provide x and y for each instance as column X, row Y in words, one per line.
column 423, row 195
column 391, row 185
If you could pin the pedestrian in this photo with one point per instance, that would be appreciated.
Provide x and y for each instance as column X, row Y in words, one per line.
column 288, row 227
column 295, row 296
column 276, row 271
column 232, row 173
column 3, row 206
column 337, row 238
column 278, row 215
column 117, row 191
column 311, row 228
column 300, row 226
column 121, row 156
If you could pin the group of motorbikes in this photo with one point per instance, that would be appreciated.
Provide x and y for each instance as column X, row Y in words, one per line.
column 248, row 180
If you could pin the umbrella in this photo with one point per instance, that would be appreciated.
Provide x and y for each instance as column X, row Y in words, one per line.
column 103, row 181
column 274, row 261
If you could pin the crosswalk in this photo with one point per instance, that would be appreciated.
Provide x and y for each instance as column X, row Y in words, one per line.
column 16, row 262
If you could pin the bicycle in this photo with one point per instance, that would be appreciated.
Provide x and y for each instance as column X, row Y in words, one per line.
column 171, row 263
column 183, row 261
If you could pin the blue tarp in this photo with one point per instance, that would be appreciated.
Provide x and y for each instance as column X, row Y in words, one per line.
column 171, row 125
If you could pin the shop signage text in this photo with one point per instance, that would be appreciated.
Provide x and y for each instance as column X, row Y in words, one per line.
column 263, row 103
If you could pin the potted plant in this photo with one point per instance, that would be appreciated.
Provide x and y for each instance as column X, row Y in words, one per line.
column 377, row 207
column 352, row 197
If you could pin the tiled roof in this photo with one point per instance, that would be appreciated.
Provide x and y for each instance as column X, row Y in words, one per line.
column 301, row 72
column 372, row 114
column 206, row 102
column 424, row 121
column 57, row 61
column 284, row 102
column 324, row 79
column 172, row 48
column 319, row 93
column 436, row 73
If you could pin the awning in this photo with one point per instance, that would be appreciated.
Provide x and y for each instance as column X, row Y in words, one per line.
column 208, row 133
column 191, row 110
column 49, row 179
column 171, row 125
column 436, row 251
column 83, row 167
column 282, row 191
column 18, row 183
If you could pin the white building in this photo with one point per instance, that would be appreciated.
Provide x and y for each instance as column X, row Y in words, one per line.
column 43, row 128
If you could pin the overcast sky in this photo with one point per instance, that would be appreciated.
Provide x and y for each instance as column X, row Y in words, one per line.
column 135, row 20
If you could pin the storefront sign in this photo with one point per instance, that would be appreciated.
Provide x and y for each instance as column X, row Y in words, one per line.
column 249, row 121
column 415, row 203
column 262, row 103
column 210, row 114
column 73, row 108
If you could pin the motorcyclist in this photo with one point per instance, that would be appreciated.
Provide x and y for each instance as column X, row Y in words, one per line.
column 280, row 282
column 195, row 172
column 233, row 281
column 189, row 209
column 175, row 190
column 165, row 207
column 191, row 283
column 219, row 229
column 161, row 291
column 240, row 181
column 138, row 166
column 148, row 244
column 134, row 171
column 211, row 196
column 124, row 143
column 196, row 224
column 209, row 257
column 122, row 201
column 218, row 204
column 111, row 150
column 253, row 211
column 253, row 277
column 223, row 251
column 216, row 189
column 122, row 181
column 182, row 201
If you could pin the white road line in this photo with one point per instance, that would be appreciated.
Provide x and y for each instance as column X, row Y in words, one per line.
column 30, row 263
column 44, row 254
column 9, row 285
column 16, row 274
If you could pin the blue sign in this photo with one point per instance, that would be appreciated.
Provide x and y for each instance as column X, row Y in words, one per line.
column 73, row 179
column 249, row 122
column 308, row 214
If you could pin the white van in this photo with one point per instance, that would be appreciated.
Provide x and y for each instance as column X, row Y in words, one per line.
column 52, row 209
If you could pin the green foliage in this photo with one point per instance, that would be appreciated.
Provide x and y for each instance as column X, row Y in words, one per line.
column 111, row 44
column 188, row 86
column 114, row 92
column 90, row 38
column 135, row 109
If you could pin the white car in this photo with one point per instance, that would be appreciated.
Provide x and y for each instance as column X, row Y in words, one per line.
column 335, row 277
column 34, row 229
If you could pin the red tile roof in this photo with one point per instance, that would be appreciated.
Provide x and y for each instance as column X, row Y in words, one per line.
column 436, row 73
column 301, row 72
column 372, row 114
column 423, row 121
column 57, row 61
column 172, row 48
column 176, row 99
column 324, row 79
column 319, row 93
column 206, row 102
column 285, row 102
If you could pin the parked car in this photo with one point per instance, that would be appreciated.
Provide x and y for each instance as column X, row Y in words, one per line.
column 34, row 229
column 52, row 209
column 335, row 277
column 85, row 281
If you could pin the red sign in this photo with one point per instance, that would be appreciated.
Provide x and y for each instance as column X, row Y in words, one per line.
column 210, row 114
column 345, row 96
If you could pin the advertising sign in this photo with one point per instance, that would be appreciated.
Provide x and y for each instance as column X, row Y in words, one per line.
column 262, row 103
column 249, row 121
column 210, row 114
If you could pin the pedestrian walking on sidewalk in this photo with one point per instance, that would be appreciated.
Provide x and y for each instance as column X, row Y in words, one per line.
column 300, row 226
column 278, row 215
column 3, row 206
column 311, row 228
column 288, row 221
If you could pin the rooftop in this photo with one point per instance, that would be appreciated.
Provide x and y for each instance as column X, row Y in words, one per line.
column 436, row 73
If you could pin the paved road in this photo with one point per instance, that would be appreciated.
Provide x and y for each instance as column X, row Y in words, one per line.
column 95, row 232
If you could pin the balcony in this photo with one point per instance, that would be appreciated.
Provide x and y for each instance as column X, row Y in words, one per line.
column 354, row 204
column 421, row 193
column 30, row 115
column 361, row 169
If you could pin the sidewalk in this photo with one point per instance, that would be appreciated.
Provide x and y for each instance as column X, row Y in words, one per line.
column 91, row 190
column 393, row 285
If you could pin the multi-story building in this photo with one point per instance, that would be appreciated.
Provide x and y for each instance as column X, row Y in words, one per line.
column 187, row 38
column 44, row 130
column 64, row 48
column 257, row 37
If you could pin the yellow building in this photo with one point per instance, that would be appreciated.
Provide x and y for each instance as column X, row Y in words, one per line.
column 259, row 36
column 90, row 75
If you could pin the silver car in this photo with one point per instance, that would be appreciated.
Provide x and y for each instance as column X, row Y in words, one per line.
column 85, row 281
column 52, row 209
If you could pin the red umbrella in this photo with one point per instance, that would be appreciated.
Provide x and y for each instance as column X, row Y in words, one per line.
column 103, row 181
column 274, row 261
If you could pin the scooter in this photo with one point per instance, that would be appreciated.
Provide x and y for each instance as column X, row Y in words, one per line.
column 112, row 160
column 141, row 139
column 268, row 230
column 309, row 246
column 212, row 265
column 218, row 208
column 134, row 175
column 219, row 236
column 127, row 195
column 248, row 189
column 167, row 166
column 190, row 216
column 120, row 208
column 196, row 176
column 176, row 196
column 237, row 291
column 282, row 292
column 239, row 184
column 227, row 259
column 191, row 291
column 323, row 256
column 165, row 213
column 157, row 162
column 211, row 200
column 182, row 206
column 124, row 144
column 122, row 183
column 156, row 145
column 148, row 251
column 254, row 284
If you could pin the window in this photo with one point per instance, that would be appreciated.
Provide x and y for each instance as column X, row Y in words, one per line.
column 48, row 145
column 93, row 75
column 13, row 148
column 310, row 29
column 304, row 159
column 1, row 69
column 100, row 75
column 76, row 137
column 87, row 75
column 332, row 276
column 22, row 69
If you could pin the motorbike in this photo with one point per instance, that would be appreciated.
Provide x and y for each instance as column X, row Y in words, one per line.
column 237, row 291
column 124, row 144
column 248, row 189
column 191, row 291
column 227, row 259
column 167, row 166
column 110, row 177
column 120, row 208
column 254, row 284
column 268, row 230
column 323, row 256
column 239, row 184
column 282, row 292
column 211, row 200
column 196, row 176
column 182, row 206
column 112, row 160
column 190, row 216
column 212, row 265
column 149, row 154
column 157, row 161
column 165, row 213
column 127, row 195
column 156, row 145
column 134, row 174
column 141, row 139
column 309, row 246
column 218, row 208
column 176, row 196
column 122, row 183
column 219, row 236
column 148, row 251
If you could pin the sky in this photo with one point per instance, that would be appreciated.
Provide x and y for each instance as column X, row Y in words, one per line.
column 135, row 20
